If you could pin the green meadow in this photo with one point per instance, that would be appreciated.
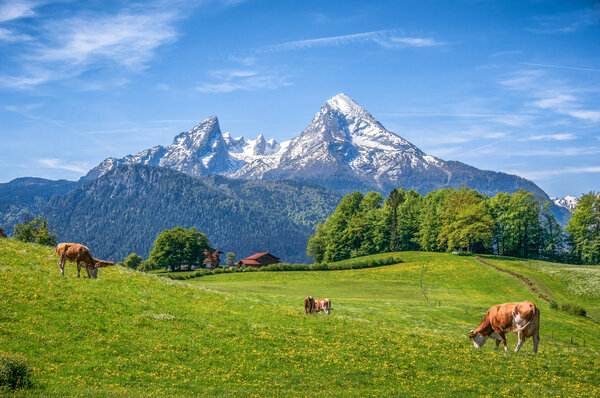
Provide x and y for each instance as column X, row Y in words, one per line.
column 396, row 330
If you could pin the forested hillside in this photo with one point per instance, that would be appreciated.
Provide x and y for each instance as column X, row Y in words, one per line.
column 123, row 212
column 23, row 198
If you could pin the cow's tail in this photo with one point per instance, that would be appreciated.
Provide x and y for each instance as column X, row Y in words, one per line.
column 52, row 255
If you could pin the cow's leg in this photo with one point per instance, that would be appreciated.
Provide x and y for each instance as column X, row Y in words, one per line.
column 536, row 340
column 78, row 268
column 497, row 345
column 521, row 335
column 503, row 337
column 61, row 265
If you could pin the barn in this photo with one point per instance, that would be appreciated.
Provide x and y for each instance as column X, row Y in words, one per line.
column 258, row 260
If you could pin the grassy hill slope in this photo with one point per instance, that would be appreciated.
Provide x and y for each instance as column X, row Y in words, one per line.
column 133, row 334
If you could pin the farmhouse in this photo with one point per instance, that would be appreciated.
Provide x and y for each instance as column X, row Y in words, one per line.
column 258, row 260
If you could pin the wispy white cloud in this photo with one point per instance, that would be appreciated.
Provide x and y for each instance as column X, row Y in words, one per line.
column 495, row 135
column 567, row 22
column 226, row 81
column 125, row 39
column 561, row 67
column 384, row 38
column 9, row 36
column 569, row 151
column 51, row 163
column 549, row 173
column 15, row 9
column 551, row 94
column 551, row 137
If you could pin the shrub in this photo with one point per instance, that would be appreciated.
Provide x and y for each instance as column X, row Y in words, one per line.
column 14, row 371
column 553, row 305
column 356, row 263
column 573, row 309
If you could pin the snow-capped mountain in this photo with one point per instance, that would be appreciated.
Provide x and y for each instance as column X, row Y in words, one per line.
column 199, row 151
column 343, row 148
column 568, row 202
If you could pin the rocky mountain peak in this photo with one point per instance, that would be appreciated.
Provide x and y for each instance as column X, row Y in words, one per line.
column 198, row 137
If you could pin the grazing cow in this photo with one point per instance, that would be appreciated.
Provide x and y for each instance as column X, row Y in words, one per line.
column 309, row 305
column 82, row 256
column 323, row 305
column 312, row 306
column 520, row 318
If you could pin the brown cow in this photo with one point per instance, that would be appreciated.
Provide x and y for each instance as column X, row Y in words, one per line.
column 312, row 307
column 81, row 255
column 520, row 318
column 309, row 305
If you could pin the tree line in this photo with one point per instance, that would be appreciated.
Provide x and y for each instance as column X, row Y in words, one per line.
column 462, row 220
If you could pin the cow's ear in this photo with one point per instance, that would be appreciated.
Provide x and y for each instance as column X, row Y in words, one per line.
column 472, row 334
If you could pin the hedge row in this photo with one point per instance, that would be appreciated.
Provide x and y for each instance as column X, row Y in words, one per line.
column 342, row 265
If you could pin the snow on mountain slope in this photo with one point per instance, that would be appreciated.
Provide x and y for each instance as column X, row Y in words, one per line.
column 568, row 202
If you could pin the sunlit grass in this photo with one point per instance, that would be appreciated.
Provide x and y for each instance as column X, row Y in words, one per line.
column 394, row 330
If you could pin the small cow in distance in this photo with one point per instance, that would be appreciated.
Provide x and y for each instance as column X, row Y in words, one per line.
column 82, row 256
column 520, row 318
column 312, row 307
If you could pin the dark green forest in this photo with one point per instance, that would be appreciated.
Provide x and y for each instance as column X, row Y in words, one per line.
column 125, row 210
column 460, row 220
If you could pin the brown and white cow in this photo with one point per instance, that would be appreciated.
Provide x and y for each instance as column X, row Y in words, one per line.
column 520, row 318
column 82, row 256
column 323, row 305
column 312, row 306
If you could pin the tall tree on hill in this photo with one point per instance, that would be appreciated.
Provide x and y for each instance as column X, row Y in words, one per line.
column 466, row 223
column 522, row 225
column 409, row 217
column 584, row 228
column 317, row 244
column 343, row 235
column 430, row 224
column 368, row 218
column 179, row 246
column 395, row 199
column 499, row 205
column 552, row 235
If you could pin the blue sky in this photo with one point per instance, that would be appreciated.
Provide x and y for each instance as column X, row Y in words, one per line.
column 501, row 85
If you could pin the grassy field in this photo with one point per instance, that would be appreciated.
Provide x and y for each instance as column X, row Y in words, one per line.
column 398, row 330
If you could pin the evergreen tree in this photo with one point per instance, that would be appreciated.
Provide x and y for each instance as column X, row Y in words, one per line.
column 498, row 206
column 584, row 229
column 552, row 235
column 395, row 199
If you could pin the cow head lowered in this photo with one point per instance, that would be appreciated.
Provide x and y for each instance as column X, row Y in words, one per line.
column 479, row 339
column 92, row 270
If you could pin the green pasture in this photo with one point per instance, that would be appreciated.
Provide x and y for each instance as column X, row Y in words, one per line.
column 398, row 330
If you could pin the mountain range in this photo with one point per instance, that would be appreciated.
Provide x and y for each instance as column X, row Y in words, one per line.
column 344, row 148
